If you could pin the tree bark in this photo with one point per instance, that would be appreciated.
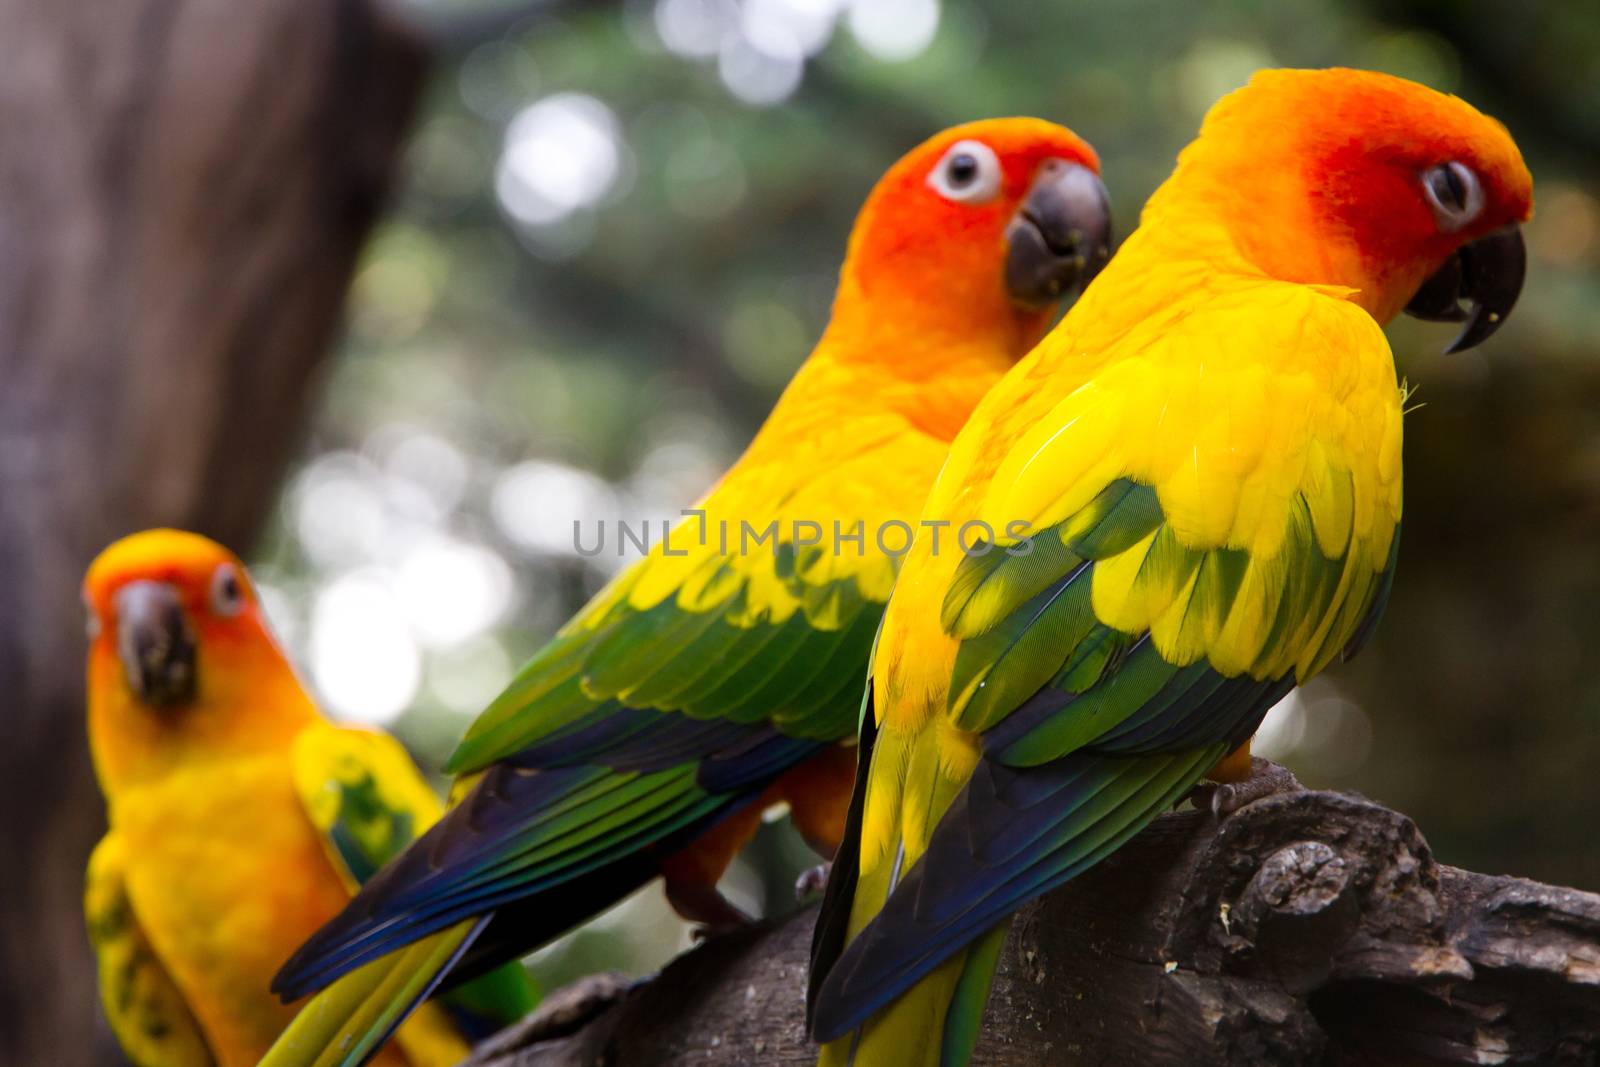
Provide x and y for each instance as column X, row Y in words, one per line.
column 1309, row 928
column 184, row 185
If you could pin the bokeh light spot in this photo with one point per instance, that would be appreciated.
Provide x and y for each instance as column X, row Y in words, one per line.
column 762, row 74
column 776, row 24
column 363, row 659
column 894, row 30
column 561, row 154
column 431, row 472
column 536, row 503
column 467, row 676
column 1280, row 732
column 451, row 590
column 1213, row 67
column 338, row 510
column 695, row 28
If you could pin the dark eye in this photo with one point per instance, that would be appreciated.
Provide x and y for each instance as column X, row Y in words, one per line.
column 227, row 593
column 968, row 173
column 1454, row 193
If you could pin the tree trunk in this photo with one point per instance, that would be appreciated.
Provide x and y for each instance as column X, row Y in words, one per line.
column 184, row 185
column 1309, row 929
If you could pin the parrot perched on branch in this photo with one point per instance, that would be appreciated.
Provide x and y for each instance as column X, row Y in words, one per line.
column 1204, row 460
column 240, row 818
column 721, row 675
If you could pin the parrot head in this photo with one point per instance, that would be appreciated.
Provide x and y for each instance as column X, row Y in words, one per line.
column 986, row 224
column 1362, row 180
column 180, row 653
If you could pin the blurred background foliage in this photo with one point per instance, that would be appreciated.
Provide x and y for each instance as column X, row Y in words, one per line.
column 617, row 237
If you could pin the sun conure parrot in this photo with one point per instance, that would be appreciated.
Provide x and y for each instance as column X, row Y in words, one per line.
column 1203, row 458
column 721, row 675
column 240, row 818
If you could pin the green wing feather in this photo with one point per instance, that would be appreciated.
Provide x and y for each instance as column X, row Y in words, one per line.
column 364, row 794
column 704, row 652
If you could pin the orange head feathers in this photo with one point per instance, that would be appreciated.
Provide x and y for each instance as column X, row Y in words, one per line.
column 1367, row 181
column 180, row 653
column 982, row 227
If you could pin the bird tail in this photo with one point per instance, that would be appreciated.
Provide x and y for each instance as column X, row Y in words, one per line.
column 933, row 1024
column 348, row 1022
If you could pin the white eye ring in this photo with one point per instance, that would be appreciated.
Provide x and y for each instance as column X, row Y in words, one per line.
column 227, row 592
column 1454, row 193
column 969, row 173
column 91, row 618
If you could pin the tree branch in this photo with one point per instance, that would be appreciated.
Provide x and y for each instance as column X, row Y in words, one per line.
column 1309, row 928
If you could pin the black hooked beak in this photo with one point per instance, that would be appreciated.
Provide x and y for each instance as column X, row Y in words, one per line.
column 155, row 643
column 1487, row 276
column 1060, row 237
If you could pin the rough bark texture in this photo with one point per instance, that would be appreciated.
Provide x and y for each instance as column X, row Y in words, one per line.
column 1311, row 928
column 184, row 185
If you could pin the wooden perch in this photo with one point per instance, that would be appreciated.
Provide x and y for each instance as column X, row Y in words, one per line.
column 1308, row 928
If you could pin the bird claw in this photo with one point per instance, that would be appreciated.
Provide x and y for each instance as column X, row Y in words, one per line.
column 811, row 882
column 1266, row 779
column 709, row 911
column 703, row 932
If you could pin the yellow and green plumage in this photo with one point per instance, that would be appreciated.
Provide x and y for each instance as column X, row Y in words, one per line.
column 1199, row 471
column 720, row 675
column 240, row 820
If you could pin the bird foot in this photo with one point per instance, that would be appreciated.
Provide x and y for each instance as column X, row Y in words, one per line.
column 812, row 882
column 709, row 911
column 708, row 931
column 1265, row 779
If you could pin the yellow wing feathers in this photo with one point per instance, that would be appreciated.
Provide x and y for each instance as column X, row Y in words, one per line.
column 728, row 544
column 146, row 1010
column 1228, row 413
column 1251, row 418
